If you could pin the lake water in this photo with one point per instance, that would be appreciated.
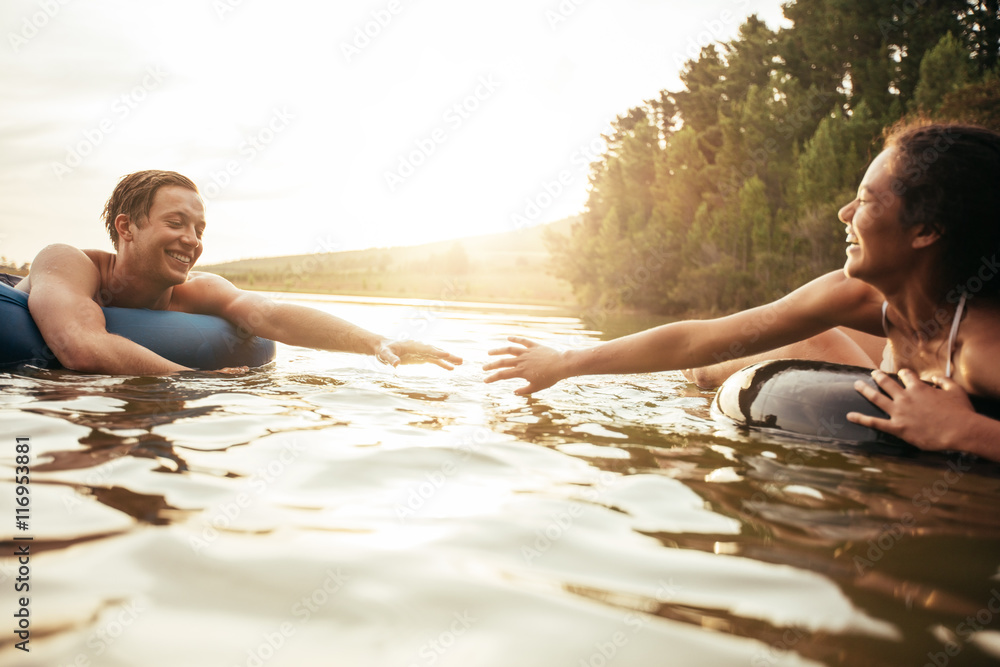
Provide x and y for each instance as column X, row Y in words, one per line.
column 325, row 510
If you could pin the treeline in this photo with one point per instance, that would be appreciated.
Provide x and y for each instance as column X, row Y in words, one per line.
column 724, row 194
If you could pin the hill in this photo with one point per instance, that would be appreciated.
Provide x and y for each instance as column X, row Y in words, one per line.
column 510, row 267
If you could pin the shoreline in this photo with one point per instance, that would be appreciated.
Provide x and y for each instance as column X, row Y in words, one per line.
column 258, row 286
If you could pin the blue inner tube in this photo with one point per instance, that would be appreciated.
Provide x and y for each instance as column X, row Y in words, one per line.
column 202, row 342
column 805, row 399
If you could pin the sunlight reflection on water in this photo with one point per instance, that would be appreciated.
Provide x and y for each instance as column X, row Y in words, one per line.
column 327, row 510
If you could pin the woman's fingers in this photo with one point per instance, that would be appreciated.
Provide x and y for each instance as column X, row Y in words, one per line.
column 506, row 362
column 909, row 379
column 888, row 384
column 526, row 390
column 510, row 349
column 527, row 342
column 506, row 350
column 879, row 400
column 508, row 374
column 870, row 421
column 526, row 360
column 523, row 345
column 873, row 395
column 946, row 383
column 922, row 413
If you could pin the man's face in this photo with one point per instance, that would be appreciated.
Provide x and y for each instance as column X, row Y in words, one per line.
column 168, row 242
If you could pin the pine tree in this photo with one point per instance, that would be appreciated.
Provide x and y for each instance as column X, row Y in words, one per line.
column 943, row 69
column 725, row 194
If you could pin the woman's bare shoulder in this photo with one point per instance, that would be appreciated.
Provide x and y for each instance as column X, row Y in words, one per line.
column 978, row 348
column 838, row 300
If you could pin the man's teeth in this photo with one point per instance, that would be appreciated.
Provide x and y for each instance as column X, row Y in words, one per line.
column 180, row 258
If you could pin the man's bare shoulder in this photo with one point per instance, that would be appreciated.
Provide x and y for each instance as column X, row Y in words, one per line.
column 100, row 258
column 203, row 292
column 202, row 280
column 61, row 262
column 63, row 249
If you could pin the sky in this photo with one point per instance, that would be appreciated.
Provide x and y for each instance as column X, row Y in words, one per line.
column 319, row 127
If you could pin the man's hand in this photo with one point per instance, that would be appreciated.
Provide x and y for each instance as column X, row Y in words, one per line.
column 412, row 352
column 299, row 325
column 233, row 370
column 541, row 366
column 930, row 417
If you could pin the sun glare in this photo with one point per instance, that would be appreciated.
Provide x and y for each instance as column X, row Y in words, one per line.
column 327, row 126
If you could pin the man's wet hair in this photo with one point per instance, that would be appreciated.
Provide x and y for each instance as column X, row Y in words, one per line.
column 134, row 194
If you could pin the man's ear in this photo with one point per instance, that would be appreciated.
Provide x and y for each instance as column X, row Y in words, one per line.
column 123, row 224
column 924, row 237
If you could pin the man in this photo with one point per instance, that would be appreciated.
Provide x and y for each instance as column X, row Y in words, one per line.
column 156, row 220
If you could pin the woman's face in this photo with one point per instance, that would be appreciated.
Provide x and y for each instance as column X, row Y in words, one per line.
column 878, row 245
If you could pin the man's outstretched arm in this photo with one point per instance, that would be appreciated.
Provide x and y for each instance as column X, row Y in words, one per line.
column 61, row 301
column 293, row 324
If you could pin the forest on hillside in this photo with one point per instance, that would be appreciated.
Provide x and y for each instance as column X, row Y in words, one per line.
column 724, row 194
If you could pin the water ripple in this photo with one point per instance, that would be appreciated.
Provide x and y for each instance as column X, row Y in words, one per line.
column 329, row 505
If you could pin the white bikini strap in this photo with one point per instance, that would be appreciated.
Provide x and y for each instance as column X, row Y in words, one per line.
column 954, row 331
column 885, row 320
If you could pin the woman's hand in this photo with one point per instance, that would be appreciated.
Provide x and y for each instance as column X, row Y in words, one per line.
column 412, row 352
column 930, row 417
column 541, row 366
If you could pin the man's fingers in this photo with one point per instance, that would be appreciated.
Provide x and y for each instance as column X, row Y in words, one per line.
column 411, row 352
column 388, row 358
column 447, row 361
column 438, row 356
column 430, row 350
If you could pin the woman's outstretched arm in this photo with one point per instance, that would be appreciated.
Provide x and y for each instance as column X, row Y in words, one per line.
column 828, row 301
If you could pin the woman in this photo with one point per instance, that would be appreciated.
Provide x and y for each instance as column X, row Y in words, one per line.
column 923, row 235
